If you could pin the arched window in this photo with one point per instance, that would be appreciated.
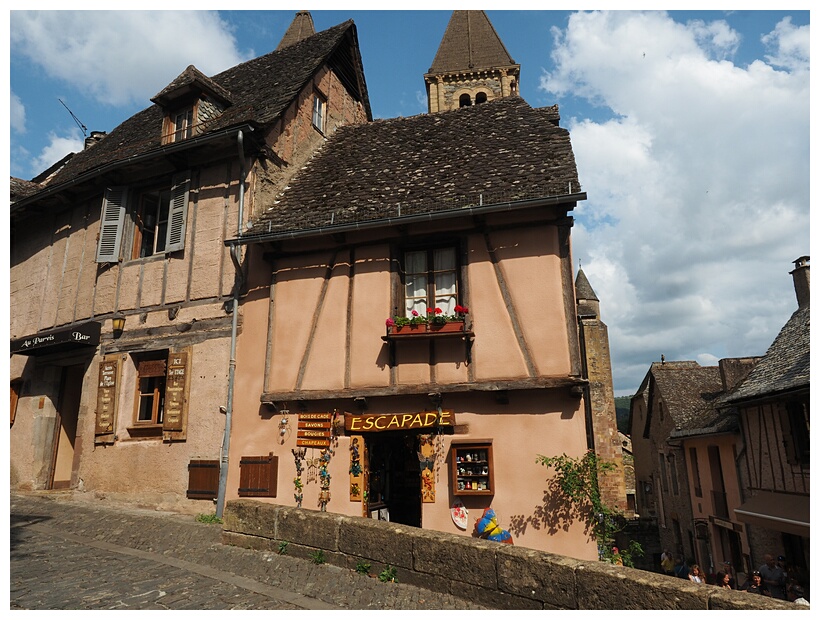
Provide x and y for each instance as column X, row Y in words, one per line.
column 464, row 100
column 480, row 97
column 513, row 87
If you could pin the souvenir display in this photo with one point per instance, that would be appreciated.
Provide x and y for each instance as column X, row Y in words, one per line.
column 487, row 527
column 459, row 514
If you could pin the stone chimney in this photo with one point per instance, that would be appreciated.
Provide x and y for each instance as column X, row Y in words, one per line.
column 95, row 137
column 801, row 281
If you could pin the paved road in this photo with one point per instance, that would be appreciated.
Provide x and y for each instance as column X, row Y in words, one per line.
column 71, row 554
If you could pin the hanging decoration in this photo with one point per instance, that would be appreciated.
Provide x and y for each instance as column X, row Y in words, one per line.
column 298, row 456
column 312, row 469
column 356, row 443
column 324, row 478
column 459, row 514
column 427, row 464
column 487, row 527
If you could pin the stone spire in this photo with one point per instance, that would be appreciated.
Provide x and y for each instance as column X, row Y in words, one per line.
column 471, row 66
column 300, row 28
column 588, row 303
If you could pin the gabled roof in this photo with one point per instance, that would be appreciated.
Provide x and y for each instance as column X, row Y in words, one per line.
column 495, row 152
column 300, row 28
column 688, row 391
column 192, row 80
column 261, row 90
column 785, row 367
column 469, row 43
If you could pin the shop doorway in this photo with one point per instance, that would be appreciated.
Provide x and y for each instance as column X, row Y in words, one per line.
column 68, row 408
column 394, row 477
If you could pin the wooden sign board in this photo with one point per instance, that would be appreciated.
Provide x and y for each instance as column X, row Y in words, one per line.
column 376, row 422
column 107, row 396
column 313, row 434
column 315, row 416
column 313, row 443
column 306, row 425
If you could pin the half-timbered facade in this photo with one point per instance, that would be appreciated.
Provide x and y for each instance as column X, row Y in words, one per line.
column 124, row 299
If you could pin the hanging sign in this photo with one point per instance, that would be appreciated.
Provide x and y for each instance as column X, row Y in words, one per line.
column 375, row 422
column 314, row 430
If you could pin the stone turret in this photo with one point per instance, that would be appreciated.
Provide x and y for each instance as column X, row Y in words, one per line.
column 594, row 339
column 472, row 65
column 300, row 28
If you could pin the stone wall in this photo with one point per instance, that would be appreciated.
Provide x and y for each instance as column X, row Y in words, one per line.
column 492, row 574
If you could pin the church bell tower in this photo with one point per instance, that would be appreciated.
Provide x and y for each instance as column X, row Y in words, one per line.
column 471, row 66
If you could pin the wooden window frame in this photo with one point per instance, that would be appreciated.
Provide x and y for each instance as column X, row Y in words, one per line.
column 431, row 272
column 153, row 367
column 318, row 113
column 154, row 204
column 462, row 449
column 180, row 123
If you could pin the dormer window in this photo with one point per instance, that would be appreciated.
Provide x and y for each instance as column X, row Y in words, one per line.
column 182, row 125
column 319, row 107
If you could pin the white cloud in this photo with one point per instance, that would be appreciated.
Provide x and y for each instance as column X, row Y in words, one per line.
column 698, row 187
column 122, row 57
column 58, row 147
column 17, row 114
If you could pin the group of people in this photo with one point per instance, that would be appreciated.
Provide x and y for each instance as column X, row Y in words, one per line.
column 771, row 579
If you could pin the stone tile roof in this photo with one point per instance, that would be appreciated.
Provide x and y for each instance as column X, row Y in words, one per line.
column 190, row 79
column 499, row 151
column 785, row 366
column 583, row 289
column 470, row 42
column 261, row 89
column 22, row 189
column 300, row 28
column 690, row 392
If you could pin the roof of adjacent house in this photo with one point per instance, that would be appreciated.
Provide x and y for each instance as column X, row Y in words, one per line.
column 785, row 367
column 470, row 42
column 21, row 188
column 495, row 152
column 260, row 90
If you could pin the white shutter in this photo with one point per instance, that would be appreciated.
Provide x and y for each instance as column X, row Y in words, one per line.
column 111, row 224
column 177, row 213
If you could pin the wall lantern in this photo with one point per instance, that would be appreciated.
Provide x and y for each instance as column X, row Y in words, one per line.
column 118, row 324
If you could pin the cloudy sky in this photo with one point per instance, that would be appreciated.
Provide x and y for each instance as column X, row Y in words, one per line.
column 690, row 129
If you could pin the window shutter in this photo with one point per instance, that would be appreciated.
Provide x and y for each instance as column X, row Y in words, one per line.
column 203, row 479
column 177, row 213
column 111, row 224
column 107, row 399
column 175, row 384
column 257, row 476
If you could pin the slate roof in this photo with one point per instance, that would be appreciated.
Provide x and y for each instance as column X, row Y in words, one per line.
column 690, row 392
column 583, row 289
column 189, row 80
column 22, row 189
column 260, row 89
column 499, row 151
column 785, row 366
column 470, row 42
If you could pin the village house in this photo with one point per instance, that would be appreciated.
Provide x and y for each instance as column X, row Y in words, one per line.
column 123, row 297
column 412, row 338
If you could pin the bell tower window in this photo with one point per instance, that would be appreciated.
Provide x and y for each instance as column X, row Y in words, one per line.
column 464, row 101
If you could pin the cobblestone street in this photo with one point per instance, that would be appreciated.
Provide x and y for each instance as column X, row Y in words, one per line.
column 70, row 554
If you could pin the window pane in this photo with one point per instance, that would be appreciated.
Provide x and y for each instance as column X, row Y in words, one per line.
column 415, row 262
column 444, row 259
column 445, row 279
column 162, row 220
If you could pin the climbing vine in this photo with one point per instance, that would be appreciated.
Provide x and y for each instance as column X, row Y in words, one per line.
column 577, row 480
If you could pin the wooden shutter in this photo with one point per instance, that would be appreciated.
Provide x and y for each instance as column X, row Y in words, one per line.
column 203, row 479
column 257, row 476
column 107, row 394
column 111, row 224
column 176, row 380
column 177, row 213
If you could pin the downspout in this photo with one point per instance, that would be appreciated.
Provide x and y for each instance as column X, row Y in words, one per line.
column 236, row 259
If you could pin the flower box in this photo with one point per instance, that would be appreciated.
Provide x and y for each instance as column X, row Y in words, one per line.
column 449, row 326
column 420, row 328
column 426, row 329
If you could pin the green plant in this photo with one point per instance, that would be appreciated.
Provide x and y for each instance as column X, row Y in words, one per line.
column 282, row 547
column 388, row 574
column 577, row 480
column 362, row 567
column 433, row 315
column 203, row 518
column 318, row 557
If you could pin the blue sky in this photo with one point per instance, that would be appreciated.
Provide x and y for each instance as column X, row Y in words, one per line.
column 690, row 129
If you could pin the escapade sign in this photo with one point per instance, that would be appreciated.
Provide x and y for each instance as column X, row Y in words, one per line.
column 375, row 422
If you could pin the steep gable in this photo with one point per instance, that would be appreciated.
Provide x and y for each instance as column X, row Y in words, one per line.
column 470, row 42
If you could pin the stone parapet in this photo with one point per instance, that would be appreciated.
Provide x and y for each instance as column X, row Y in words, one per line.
column 494, row 575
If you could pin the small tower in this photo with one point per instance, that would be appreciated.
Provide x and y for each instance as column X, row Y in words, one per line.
column 300, row 28
column 471, row 66
column 607, row 444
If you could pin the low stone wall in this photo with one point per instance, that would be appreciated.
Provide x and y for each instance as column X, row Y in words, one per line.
column 491, row 574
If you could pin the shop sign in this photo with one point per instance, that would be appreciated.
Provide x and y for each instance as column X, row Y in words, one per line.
column 376, row 422
column 314, row 430
column 87, row 334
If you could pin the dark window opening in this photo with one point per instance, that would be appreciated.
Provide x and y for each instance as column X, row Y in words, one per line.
column 464, row 101
column 481, row 98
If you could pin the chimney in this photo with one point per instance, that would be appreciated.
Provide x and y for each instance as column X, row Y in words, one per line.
column 95, row 137
column 801, row 281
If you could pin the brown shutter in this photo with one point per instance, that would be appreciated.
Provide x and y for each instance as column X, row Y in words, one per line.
column 257, row 476
column 203, row 479
column 107, row 394
column 175, row 392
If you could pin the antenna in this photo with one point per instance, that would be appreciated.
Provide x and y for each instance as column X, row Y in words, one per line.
column 76, row 120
